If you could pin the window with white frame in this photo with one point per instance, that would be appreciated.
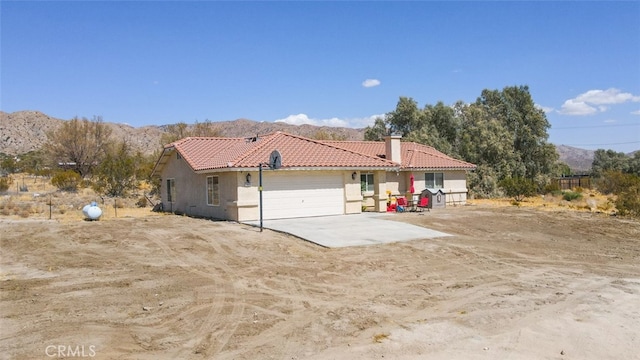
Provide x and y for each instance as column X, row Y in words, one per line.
column 213, row 191
column 366, row 183
column 434, row 180
column 171, row 190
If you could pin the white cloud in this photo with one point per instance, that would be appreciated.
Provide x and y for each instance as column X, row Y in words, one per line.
column 593, row 101
column 610, row 121
column 356, row 123
column 573, row 107
column 609, row 96
column 637, row 112
column 301, row 119
column 546, row 109
column 371, row 83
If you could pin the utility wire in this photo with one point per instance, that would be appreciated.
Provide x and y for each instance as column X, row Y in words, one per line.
column 592, row 126
column 622, row 143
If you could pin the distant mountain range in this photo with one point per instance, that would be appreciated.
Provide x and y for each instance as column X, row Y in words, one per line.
column 579, row 160
column 24, row 131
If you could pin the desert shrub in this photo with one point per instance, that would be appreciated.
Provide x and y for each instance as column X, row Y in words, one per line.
column 628, row 201
column 551, row 188
column 119, row 203
column 141, row 202
column 5, row 183
column 571, row 195
column 578, row 189
column 518, row 188
column 614, row 182
column 68, row 180
column 626, row 187
column 557, row 192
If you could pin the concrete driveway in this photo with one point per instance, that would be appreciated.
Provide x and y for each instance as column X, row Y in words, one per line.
column 350, row 230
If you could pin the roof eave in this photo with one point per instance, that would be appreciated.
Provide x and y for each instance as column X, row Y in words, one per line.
column 438, row 168
column 300, row 168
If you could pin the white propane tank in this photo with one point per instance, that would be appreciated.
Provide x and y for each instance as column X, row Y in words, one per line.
column 92, row 211
column 85, row 210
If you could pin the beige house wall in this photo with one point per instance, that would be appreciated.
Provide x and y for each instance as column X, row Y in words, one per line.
column 455, row 185
column 352, row 193
column 239, row 199
column 399, row 184
column 191, row 191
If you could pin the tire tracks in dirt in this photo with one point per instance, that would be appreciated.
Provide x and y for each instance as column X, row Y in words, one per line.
column 211, row 337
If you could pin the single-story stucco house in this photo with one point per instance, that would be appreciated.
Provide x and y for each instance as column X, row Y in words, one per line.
column 219, row 177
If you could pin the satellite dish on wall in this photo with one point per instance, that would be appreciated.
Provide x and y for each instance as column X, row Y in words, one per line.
column 275, row 160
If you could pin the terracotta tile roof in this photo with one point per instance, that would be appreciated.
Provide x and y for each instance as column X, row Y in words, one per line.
column 413, row 155
column 297, row 152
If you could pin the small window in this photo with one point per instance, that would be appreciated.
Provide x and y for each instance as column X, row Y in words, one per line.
column 213, row 191
column 434, row 180
column 171, row 190
column 366, row 182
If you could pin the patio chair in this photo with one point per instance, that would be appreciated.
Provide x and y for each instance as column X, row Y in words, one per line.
column 423, row 204
column 402, row 204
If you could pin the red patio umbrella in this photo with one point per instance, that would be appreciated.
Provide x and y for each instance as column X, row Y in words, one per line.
column 411, row 188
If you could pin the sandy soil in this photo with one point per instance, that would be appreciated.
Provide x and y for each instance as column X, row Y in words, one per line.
column 512, row 283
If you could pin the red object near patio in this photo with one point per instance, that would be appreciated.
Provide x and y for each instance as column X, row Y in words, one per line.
column 411, row 188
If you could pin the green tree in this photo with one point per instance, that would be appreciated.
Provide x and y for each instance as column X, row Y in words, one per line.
column 67, row 180
column 9, row 165
column 181, row 130
column 609, row 160
column 626, row 187
column 322, row 134
column 33, row 162
column 485, row 142
column 503, row 132
column 377, row 131
column 516, row 111
column 518, row 188
column 406, row 118
column 634, row 164
column 78, row 143
column 116, row 174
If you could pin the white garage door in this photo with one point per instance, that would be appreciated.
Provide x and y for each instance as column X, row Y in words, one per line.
column 289, row 194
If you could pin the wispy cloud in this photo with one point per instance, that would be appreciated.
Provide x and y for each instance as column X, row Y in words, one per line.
column 594, row 101
column 637, row 112
column 371, row 83
column 546, row 109
column 356, row 123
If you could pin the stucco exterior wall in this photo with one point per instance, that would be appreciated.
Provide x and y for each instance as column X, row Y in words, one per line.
column 352, row 193
column 455, row 185
column 239, row 198
column 191, row 191
column 246, row 206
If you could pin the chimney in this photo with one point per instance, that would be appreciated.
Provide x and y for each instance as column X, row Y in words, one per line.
column 393, row 150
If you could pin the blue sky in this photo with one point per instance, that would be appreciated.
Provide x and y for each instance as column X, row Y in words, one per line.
column 338, row 63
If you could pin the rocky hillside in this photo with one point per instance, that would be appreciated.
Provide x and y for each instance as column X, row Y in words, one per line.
column 24, row 131
column 579, row 160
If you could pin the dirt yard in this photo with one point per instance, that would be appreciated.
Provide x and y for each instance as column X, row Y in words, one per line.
column 512, row 283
